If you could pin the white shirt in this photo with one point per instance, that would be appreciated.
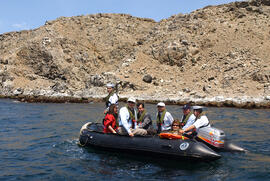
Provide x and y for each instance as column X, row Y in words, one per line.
column 190, row 121
column 125, row 119
column 113, row 99
column 167, row 122
column 203, row 121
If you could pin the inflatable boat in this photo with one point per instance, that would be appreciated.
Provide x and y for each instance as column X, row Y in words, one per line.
column 91, row 135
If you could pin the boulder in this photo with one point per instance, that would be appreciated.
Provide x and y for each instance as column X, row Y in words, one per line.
column 147, row 78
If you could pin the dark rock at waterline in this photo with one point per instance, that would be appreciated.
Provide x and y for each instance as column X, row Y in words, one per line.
column 18, row 91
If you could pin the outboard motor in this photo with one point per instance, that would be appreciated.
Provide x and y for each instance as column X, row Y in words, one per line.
column 216, row 138
column 212, row 136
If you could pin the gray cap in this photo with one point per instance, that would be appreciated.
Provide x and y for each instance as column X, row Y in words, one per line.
column 110, row 85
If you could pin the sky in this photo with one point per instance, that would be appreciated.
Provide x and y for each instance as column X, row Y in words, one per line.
column 16, row 15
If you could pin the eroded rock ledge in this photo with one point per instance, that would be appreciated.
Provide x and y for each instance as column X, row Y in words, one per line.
column 219, row 101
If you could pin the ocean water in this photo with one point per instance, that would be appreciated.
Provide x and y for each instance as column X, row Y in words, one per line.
column 40, row 142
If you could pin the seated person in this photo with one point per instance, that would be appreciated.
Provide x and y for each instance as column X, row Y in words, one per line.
column 176, row 126
column 200, row 121
column 188, row 118
column 164, row 118
column 144, row 119
column 109, row 122
column 174, row 133
column 128, row 120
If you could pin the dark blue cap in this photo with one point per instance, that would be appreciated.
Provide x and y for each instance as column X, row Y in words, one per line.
column 186, row 106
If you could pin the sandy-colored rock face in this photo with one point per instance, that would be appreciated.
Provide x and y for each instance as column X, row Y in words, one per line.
column 218, row 53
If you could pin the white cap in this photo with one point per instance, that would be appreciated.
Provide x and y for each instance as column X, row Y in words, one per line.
column 197, row 107
column 110, row 85
column 161, row 104
column 131, row 99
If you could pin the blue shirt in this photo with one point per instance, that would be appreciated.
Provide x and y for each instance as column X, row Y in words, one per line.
column 190, row 121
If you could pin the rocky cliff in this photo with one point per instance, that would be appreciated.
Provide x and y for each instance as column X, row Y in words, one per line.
column 218, row 55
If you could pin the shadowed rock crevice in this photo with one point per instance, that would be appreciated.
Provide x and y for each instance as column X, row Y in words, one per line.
column 41, row 61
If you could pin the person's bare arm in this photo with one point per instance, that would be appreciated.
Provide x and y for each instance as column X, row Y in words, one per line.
column 111, row 129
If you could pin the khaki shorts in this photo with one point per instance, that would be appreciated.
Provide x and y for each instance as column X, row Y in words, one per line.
column 137, row 131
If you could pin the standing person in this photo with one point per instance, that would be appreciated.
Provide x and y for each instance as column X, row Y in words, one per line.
column 188, row 118
column 110, row 120
column 111, row 98
column 144, row 118
column 128, row 120
column 164, row 118
column 200, row 121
